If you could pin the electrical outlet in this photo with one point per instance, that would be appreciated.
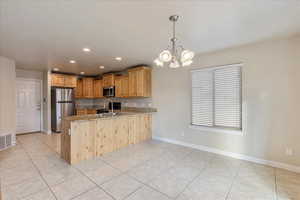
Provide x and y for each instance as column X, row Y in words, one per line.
column 182, row 133
column 289, row 151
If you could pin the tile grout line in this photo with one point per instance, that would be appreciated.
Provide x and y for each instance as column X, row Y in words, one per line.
column 149, row 186
column 233, row 181
column 99, row 186
column 210, row 160
column 84, row 176
column 276, row 186
column 127, row 173
column 38, row 172
column 94, row 183
column 144, row 184
column 88, row 190
column 134, row 191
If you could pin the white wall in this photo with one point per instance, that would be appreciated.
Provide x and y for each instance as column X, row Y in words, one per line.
column 271, row 95
column 30, row 74
column 47, row 102
column 7, row 96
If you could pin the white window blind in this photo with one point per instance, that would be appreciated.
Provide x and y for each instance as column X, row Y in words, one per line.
column 216, row 97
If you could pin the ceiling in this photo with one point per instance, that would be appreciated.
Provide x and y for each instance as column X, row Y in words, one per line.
column 42, row 34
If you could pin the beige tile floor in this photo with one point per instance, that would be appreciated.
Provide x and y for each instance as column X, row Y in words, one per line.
column 33, row 170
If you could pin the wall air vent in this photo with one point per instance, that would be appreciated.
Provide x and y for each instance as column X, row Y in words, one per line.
column 6, row 141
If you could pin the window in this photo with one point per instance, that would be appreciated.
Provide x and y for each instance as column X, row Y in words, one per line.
column 216, row 97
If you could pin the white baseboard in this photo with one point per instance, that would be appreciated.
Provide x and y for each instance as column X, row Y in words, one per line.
column 271, row 163
column 47, row 131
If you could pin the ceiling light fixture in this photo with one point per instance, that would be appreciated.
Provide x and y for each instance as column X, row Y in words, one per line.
column 82, row 73
column 72, row 61
column 86, row 49
column 175, row 55
column 118, row 58
column 55, row 69
column 101, row 67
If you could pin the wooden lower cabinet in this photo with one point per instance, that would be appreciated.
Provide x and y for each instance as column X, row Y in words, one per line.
column 86, row 139
column 83, row 145
column 85, row 111
column 104, row 137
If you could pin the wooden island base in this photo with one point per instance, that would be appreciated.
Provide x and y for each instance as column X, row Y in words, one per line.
column 84, row 139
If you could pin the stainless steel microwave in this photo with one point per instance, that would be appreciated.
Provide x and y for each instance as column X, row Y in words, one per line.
column 109, row 91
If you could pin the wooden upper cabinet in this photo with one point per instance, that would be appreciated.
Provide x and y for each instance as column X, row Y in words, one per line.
column 118, row 86
column 140, row 82
column 61, row 80
column 71, row 81
column 125, row 86
column 132, row 81
column 108, row 80
column 98, row 89
column 121, row 86
column 57, row 80
column 88, row 87
column 79, row 89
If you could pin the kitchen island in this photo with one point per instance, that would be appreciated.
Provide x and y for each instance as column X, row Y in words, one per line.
column 85, row 137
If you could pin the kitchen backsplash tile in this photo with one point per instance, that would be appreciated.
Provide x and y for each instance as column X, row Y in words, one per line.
column 138, row 103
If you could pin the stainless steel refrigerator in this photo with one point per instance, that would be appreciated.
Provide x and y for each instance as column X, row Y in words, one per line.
column 62, row 105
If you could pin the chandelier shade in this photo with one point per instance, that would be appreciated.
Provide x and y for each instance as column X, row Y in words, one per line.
column 176, row 55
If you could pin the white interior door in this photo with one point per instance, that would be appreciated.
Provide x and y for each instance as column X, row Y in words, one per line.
column 28, row 105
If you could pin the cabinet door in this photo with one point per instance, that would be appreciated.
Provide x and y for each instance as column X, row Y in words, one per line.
column 145, row 125
column 140, row 83
column 108, row 80
column 125, row 87
column 57, row 80
column 81, row 111
column 91, row 111
column 120, row 130
column 104, row 139
column 82, row 140
column 132, row 83
column 79, row 89
column 88, row 87
column 133, row 134
column 98, row 89
column 70, row 81
column 118, row 86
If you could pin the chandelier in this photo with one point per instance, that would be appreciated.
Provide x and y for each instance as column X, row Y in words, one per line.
column 176, row 56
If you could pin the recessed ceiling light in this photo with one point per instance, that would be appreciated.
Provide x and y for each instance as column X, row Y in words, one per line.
column 86, row 49
column 55, row 69
column 118, row 58
column 101, row 67
column 72, row 61
column 82, row 73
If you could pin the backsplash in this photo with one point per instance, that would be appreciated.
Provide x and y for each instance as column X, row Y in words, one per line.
column 132, row 102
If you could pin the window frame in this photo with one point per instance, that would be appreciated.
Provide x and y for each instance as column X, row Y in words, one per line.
column 221, row 129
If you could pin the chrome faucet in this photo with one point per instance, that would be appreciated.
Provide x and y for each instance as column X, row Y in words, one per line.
column 112, row 106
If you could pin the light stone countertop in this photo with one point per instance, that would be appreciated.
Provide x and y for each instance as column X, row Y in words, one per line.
column 106, row 115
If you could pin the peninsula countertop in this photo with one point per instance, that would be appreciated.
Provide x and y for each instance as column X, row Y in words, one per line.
column 89, row 136
column 108, row 115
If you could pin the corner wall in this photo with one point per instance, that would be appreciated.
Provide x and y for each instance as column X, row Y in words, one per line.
column 271, row 96
column 7, row 97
